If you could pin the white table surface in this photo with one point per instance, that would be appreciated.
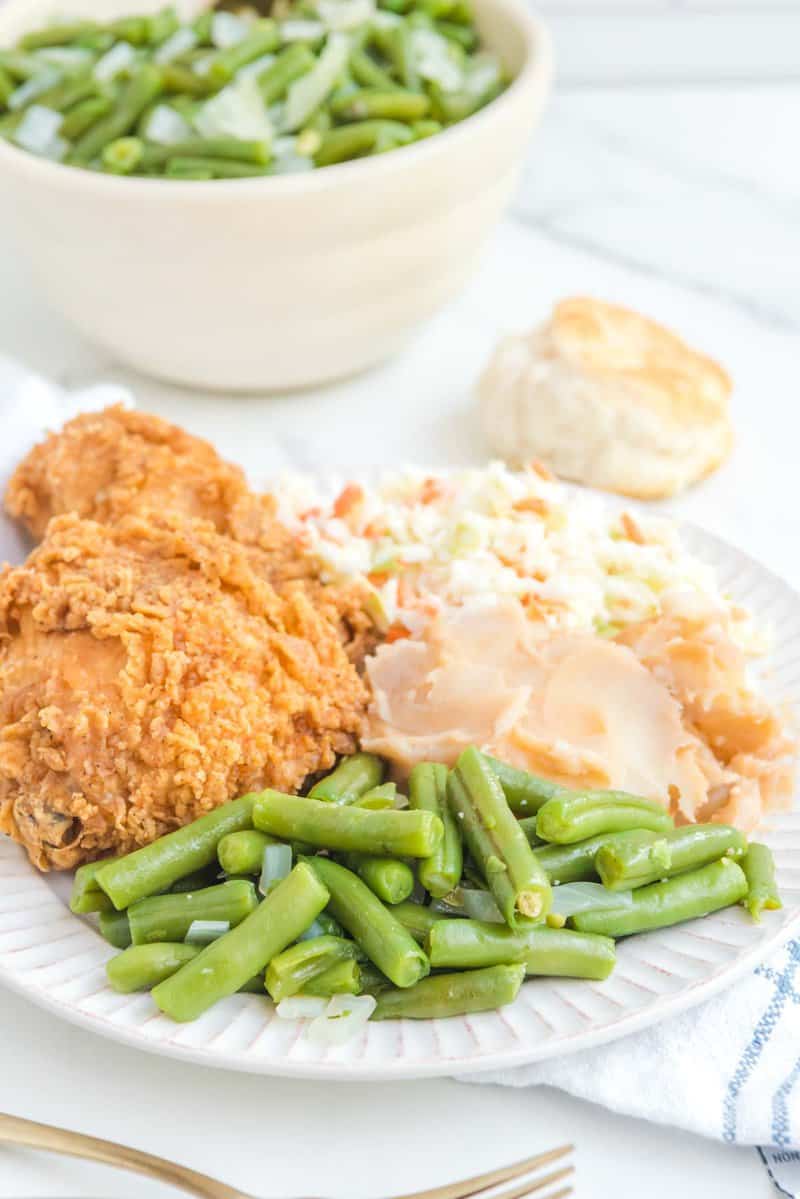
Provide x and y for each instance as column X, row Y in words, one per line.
column 679, row 200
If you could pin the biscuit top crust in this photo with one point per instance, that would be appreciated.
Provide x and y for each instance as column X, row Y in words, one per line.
column 652, row 366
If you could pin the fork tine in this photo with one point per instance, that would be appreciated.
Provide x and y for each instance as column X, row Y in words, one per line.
column 483, row 1182
column 529, row 1185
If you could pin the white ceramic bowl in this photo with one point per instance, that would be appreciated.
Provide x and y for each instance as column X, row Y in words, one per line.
column 278, row 282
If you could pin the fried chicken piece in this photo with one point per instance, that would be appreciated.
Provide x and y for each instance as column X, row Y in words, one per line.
column 148, row 673
column 107, row 465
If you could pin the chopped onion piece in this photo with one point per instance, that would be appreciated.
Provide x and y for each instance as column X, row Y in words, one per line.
column 483, row 73
column 312, row 89
column 227, row 30
column 480, row 905
column 179, row 42
column 166, row 126
column 118, row 59
column 277, row 865
column 69, row 58
column 437, row 59
column 301, row 31
column 571, row 898
column 237, row 111
column 386, row 20
column 203, row 932
column 345, row 14
column 33, row 87
column 256, row 67
column 292, row 164
column 38, row 129
column 301, row 1007
column 344, row 1018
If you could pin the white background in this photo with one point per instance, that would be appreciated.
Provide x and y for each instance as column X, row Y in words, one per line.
column 665, row 175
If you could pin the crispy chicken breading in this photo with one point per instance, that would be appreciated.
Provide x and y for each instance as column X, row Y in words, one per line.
column 149, row 671
column 110, row 464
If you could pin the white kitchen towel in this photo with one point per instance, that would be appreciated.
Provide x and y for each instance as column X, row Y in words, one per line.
column 729, row 1069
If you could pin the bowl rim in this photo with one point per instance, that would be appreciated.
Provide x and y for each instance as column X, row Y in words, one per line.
column 535, row 75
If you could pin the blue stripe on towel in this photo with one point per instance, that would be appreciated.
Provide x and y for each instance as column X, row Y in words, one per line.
column 781, row 1132
column 761, row 1035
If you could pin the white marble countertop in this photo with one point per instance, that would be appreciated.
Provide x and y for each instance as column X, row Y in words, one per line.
column 680, row 199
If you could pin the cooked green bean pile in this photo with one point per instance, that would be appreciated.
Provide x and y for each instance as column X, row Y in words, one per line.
column 435, row 905
column 232, row 96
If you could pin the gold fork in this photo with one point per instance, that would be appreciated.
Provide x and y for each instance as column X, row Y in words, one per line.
column 524, row 1178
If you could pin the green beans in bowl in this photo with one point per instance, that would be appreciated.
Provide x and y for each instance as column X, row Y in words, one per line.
column 227, row 95
column 268, row 272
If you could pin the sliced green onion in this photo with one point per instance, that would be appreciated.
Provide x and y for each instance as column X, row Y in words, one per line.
column 312, row 89
column 277, row 865
column 203, row 932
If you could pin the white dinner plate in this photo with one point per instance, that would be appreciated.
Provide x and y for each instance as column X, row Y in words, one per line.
column 57, row 960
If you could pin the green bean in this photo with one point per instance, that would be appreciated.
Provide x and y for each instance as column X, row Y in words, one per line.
column 390, row 879
column 379, row 799
column 261, row 40
column 759, row 870
column 528, row 826
column 352, row 778
column 84, row 115
column 115, row 929
column 156, row 867
column 526, row 793
column 141, row 91
column 371, row 981
column 342, row 978
column 358, row 139
column 496, row 842
column 427, row 792
column 578, row 816
column 135, row 30
column 368, row 73
column 56, row 35
column 383, row 938
column 348, row 829
column 452, row 994
column 562, row 953
column 7, row 86
column 253, row 152
column 188, row 169
column 232, row 960
column 144, row 966
column 395, row 105
column 290, row 971
column 21, row 67
column 290, row 64
column 179, row 79
column 253, row 986
column 196, row 881
column 203, row 25
column 623, row 863
column 417, row 919
column 68, row 92
column 401, row 52
column 87, row 895
column 423, row 129
column 10, row 123
column 161, row 26
column 123, row 156
column 659, row 905
column 243, row 852
column 577, row 863
column 462, row 35
column 169, row 917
